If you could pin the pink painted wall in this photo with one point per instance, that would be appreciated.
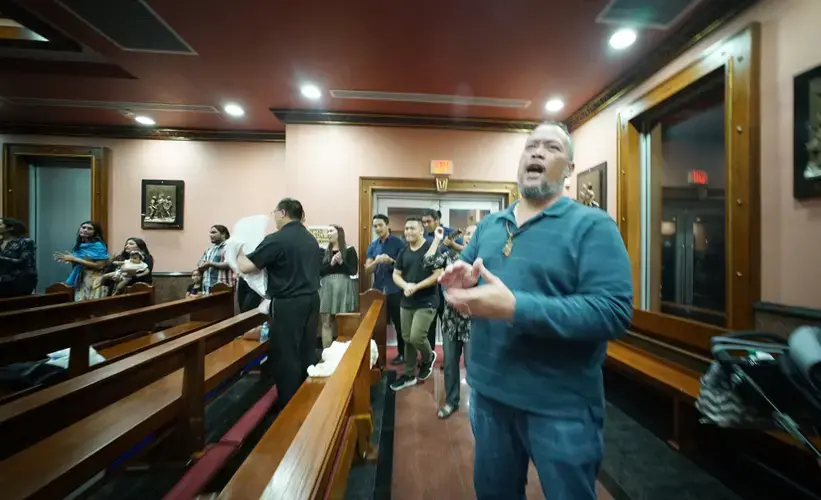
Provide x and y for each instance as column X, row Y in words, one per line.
column 319, row 165
column 324, row 163
column 223, row 182
column 791, row 231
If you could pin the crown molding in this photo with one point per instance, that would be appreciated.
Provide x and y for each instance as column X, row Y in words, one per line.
column 162, row 134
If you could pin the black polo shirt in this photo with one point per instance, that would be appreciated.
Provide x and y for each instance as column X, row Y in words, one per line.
column 290, row 257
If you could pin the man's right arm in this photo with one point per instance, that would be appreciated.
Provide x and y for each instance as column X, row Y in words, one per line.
column 264, row 255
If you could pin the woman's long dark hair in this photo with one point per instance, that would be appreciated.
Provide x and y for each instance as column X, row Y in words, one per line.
column 340, row 242
column 222, row 230
column 140, row 244
column 98, row 234
column 15, row 227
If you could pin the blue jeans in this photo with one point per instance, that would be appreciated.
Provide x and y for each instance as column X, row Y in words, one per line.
column 567, row 451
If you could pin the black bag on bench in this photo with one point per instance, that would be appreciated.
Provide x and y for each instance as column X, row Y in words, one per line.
column 760, row 381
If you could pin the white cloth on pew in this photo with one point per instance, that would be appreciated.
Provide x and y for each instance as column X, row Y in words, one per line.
column 331, row 357
column 247, row 234
column 60, row 358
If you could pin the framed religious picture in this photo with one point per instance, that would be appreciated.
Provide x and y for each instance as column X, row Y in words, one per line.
column 162, row 204
column 807, row 135
column 321, row 234
column 591, row 186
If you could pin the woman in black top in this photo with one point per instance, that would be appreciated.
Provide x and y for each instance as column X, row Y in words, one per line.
column 18, row 264
column 337, row 292
column 131, row 245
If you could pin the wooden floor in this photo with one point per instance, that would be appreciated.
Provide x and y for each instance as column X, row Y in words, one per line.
column 433, row 459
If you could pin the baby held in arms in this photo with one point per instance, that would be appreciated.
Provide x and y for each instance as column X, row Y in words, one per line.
column 134, row 266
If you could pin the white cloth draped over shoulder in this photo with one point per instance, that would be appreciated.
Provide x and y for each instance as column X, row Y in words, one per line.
column 247, row 234
column 333, row 355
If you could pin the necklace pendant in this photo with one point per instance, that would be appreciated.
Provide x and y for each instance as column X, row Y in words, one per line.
column 508, row 248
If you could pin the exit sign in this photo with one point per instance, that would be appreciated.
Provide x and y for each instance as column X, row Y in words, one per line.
column 697, row 177
column 441, row 167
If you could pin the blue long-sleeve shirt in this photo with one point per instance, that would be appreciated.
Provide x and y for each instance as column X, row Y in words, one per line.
column 570, row 274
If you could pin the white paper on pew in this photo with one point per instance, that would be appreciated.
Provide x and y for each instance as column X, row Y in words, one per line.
column 247, row 234
column 333, row 355
column 60, row 358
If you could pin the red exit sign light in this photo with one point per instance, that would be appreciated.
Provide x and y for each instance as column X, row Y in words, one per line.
column 697, row 177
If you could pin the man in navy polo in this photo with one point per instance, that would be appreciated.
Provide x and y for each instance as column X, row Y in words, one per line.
column 547, row 282
column 379, row 262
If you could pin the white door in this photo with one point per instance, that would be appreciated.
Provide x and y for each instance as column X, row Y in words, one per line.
column 459, row 214
column 399, row 209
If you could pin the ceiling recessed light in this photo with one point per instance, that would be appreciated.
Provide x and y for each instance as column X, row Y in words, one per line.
column 623, row 38
column 234, row 109
column 144, row 120
column 311, row 91
column 554, row 105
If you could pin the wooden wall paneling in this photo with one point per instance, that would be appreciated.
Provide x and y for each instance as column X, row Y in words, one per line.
column 16, row 185
column 370, row 185
column 739, row 56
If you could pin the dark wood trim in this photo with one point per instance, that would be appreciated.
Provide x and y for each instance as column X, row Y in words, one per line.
column 320, row 117
column 369, row 185
column 15, row 177
column 806, row 313
column 738, row 58
column 162, row 134
column 707, row 19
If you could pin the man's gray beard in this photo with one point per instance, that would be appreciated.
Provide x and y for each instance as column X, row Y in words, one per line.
column 541, row 192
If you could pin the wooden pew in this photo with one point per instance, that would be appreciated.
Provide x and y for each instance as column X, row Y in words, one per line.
column 347, row 324
column 308, row 450
column 79, row 335
column 63, row 435
column 58, row 293
column 35, row 318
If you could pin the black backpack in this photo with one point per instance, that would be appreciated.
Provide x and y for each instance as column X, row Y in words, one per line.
column 762, row 381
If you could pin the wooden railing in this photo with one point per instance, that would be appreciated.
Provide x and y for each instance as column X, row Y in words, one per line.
column 64, row 434
column 58, row 293
column 35, row 318
column 310, row 446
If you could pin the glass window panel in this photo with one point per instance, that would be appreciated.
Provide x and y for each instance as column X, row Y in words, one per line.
column 685, row 174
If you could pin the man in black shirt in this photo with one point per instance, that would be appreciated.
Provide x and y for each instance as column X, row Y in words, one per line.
column 418, row 304
column 290, row 259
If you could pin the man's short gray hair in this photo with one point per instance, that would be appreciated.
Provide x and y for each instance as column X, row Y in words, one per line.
column 563, row 127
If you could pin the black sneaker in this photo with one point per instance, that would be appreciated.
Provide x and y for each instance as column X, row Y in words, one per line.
column 403, row 382
column 398, row 360
column 425, row 372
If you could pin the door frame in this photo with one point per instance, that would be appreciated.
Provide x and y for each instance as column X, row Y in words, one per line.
column 16, row 178
column 368, row 186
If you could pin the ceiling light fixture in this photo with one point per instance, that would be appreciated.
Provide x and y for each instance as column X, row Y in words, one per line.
column 553, row 105
column 623, row 38
column 144, row 120
column 234, row 109
column 311, row 91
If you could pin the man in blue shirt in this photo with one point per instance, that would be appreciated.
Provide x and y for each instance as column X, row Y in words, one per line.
column 379, row 261
column 547, row 282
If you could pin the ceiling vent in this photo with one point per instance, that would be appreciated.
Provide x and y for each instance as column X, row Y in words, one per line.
column 128, row 106
column 430, row 98
column 645, row 13
column 131, row 25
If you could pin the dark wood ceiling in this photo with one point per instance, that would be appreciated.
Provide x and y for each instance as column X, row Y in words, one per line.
column 258, row 52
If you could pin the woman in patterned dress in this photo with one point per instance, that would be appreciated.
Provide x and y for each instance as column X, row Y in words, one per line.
column 455, row 326
column 88, row 259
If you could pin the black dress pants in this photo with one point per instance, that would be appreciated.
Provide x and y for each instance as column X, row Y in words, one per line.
column 18, row 287
column 439, row 309
column 292, row 342
column 247, row 299
column 395, row 315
